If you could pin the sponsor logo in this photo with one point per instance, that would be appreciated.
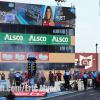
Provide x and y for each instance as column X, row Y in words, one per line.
column 19, row 57
column 11, row 4
column 72, row 10
column 59, row 39
column 37, row 38
column 43, row 57
column 29, row 93
column 31, row 55
column 21, row 94
column 13, row 37
column 7, row 57
column 86, row 61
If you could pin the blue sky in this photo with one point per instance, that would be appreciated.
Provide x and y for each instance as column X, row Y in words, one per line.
column 87, row 32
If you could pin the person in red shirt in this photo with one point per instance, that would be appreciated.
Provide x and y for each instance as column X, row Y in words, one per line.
column 25, row 76
column 81, row 74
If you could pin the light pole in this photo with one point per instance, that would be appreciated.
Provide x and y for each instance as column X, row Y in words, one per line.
column 96, row 56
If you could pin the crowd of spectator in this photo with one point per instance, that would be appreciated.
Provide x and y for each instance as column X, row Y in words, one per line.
column 57, row 76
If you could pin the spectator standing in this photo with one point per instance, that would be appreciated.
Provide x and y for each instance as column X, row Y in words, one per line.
column 75, row 75
column 80, row 74
column 2, row 76
column 59, row 76
column 51, row 78
column 42, row 78
column 85, row 77
column 67, row 77
column 94, row 76
column 38, row 79
column 11, row 77
column 55, row 75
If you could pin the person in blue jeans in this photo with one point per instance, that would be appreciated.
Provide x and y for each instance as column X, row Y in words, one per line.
column 85, row 78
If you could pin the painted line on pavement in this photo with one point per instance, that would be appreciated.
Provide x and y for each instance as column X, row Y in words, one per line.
column 61, row 95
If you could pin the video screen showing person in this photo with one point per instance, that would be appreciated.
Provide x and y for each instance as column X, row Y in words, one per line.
column 48, row 15
column 64, row 16
column 7, row 12
column 28, row 14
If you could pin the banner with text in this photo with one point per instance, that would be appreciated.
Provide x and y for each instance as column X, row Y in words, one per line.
column 10, row 38
column 15, row 56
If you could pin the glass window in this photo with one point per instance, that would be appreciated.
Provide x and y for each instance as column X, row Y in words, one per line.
column 29, row 29
column 44, row 30
column 66, row 66
column 71, row 65
column 37, row 48
column 45, row 48
column 58, row 32
column 29, row 48
column 70, row 32
column 51, row 48
column 73, row 49
column 58, row 66
column 63, row 66
column 63, row 31
column 57, row 49
column 70, row 49
column 0, row 28
column 37, row 30
column 5, row 66
column 21, row 48
column 13, row 47
column 66, row 49
column 0, row 47
column 21, row 67
column 0, row 67
column 21, row 29
column 52, row 31
column 51, row 66
column 13, row 28
column 5, row 28
column 14, row 66
column 39, row 66
column 62, row 49
column 67, row 32
column 45, row 66
column 5, row 47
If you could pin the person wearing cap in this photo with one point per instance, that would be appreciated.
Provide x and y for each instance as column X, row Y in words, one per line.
column 17, row 79
column 67, row 77
column 85, row 77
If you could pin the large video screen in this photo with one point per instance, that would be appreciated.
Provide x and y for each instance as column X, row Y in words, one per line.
column 48, row 13
column 7, row 12
column 64, row 17
column 32, row 14
column 28, row 14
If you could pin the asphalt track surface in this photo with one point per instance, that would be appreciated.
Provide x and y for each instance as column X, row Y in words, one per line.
column 79, row 95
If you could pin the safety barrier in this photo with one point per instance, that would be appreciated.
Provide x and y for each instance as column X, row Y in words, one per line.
column 80, row 85
column 4, row 83
column 57, row 83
